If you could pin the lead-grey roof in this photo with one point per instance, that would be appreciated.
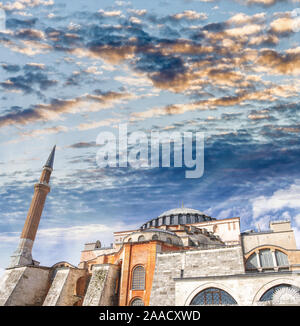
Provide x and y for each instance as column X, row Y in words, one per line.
column 50, row 161
column 182, row 210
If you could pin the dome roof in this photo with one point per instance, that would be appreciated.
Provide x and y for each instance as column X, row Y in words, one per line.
column 177, row 216
column 182, row 210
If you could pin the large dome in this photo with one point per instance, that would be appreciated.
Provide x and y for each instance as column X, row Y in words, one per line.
column 177, row 216
column 182, row 210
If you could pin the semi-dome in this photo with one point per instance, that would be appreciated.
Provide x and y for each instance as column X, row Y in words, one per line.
column 154, row 234
column 177, row 216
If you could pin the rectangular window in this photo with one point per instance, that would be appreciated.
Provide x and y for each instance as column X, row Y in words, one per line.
column 281, row 258
column 266, row 259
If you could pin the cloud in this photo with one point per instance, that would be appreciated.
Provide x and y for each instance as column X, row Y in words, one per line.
column 23, row 4
column 57, row 107
column 83, row 145
column 97, row 124
column 30, row 34
column 268, row 95
column 65, row 243
column 13, row 23
column 281, row 199
column 267, row 3
column 280, row 63
column 256, row 116
column 138, row 12
column 113, row 13
column 27, row 47
column 190, row 15
column 11, row 67
column 266, row 40
column 242, row 19
column 282, row 25
column 45, row 131
column 246, row 30
column 26, row 82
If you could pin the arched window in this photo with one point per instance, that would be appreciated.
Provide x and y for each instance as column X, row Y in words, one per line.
column 188, row 219
column 180, row 221
column 129, row 240
column 155, row 237
column 164, row 220
column 141, row 238
column 138, row 278
column 265, row 260
column 169, row 240
column 137, row 302
column 171, row 219
column 268, row 295
column 213, row 296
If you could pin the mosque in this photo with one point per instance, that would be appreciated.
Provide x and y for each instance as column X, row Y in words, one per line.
column 182, row 257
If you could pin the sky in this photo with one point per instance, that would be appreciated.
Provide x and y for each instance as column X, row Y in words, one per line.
column 71, row 70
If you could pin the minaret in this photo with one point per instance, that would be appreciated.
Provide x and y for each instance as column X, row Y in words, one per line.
column 22, row 255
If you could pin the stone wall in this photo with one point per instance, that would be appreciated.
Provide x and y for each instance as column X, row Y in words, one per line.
column 102, row 287
column 224, row 261
column 63, row 288
column 228, row 229
column 246, row 289
column 167, row 267
column 284, row 239
column 24, row 286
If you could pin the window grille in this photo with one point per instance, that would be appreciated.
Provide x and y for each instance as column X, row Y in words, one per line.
column 269, row 293
column 138, row 278
column 213, row 296
column 137, row 302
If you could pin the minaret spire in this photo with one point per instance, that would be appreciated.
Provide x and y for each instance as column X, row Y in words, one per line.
column 50, row 161
column 23, row 256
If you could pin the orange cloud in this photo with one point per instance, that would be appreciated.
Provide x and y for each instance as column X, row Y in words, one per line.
column 58, row 107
